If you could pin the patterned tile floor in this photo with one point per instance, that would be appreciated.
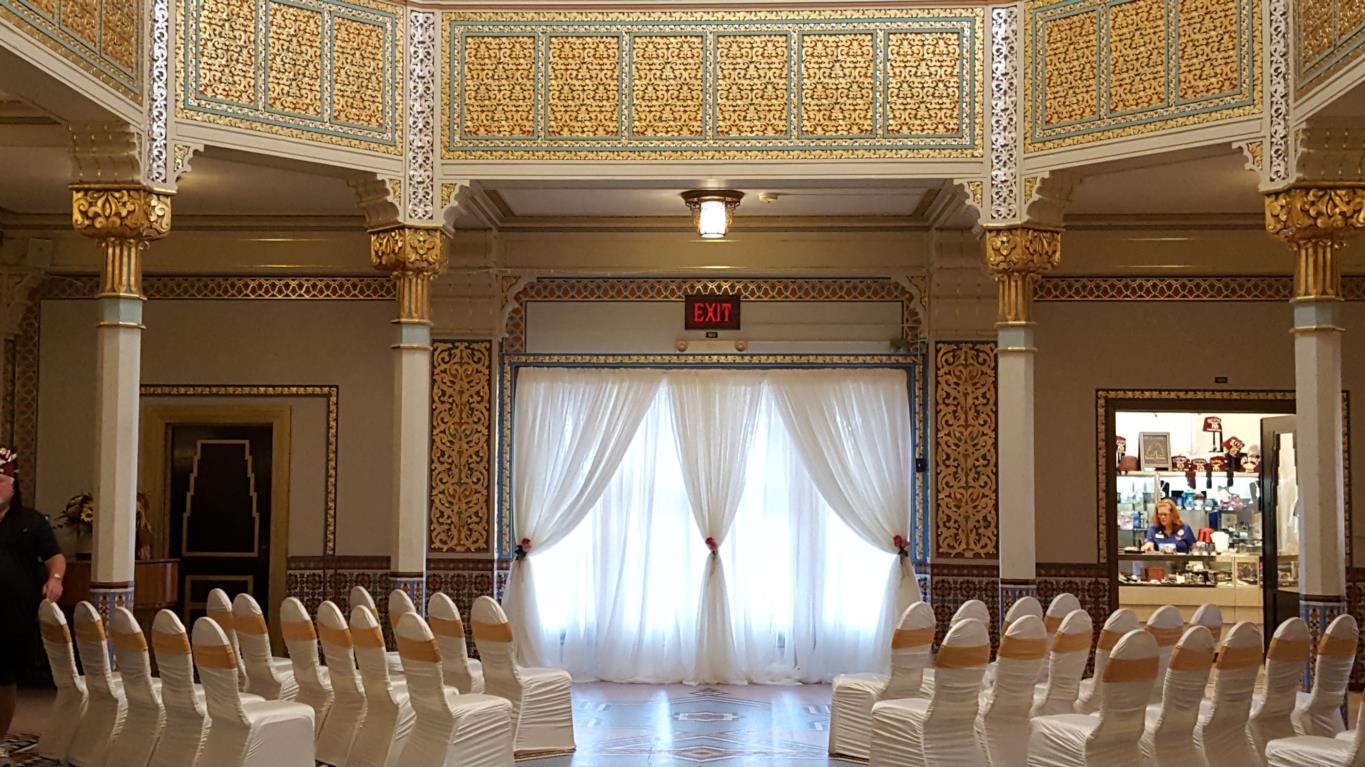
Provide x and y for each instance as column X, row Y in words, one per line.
column 626, row 725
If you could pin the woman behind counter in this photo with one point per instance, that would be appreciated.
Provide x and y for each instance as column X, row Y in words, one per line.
column 1169, row 530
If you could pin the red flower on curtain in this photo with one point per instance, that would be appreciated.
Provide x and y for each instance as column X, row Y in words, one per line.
column 523, row 548
column 712, row 545
column 900, row 543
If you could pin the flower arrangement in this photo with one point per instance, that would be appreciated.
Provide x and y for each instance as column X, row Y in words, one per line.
column 711, row 544
column 79, row 513
column 523, row 548
column 901, row 545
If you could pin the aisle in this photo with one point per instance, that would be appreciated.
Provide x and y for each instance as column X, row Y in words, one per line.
column 626, row 724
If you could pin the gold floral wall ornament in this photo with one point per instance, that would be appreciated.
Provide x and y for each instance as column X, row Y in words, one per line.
column 123, row 219
column 1316, row 221
column 414, row 256
column 1017, row 257
column 966, row 521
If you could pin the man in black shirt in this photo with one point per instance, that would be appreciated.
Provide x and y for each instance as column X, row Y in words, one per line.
column 31, row 569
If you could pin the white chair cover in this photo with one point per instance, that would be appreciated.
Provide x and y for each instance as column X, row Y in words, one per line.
column 186, row 715
column 146, row 717
column 1165, row 625
column 451, row 729
column 542, row 709
column 388, row 713
column 1109, row 738
column 1003, row 727
column 1345, row 750
column 1271, row 716
column 218, row 606
column 1119, row 622
column 268, row 733
column 1210, row 617
column 1319, row 713
column 264, row 677
column 360, row 597
column 1025, row 605
column 850, row 721
column 940, row 731
column 106, row 708
column 348, row 704
column 1061, row 606
column 1222, row 730
column 1170, row 724
column 457, row 668
column 974, row 609
column 1069, row 653
column 315, row 688
column 400, row 604
column 68, row 708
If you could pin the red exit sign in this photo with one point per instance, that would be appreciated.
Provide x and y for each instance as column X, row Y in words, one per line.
column 712, row 313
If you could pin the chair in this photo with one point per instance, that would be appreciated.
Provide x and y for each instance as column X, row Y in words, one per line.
column 68, row 708
column 360, row 596
column 542, row 706
column 1222, row 730
column 400, row 604
column 459, row 670
column 348, row 705
column 264, row 677
column 451, row 729
column 1319, row 751
column 1272, row 715
column 1170, row 724
column 1069, row 653
column 388, row 712
column 1319, row 712
column 218, row 606
column 940, row 730
column 268, row 733
column 853, row 695
column 1109, row 738
column 315, row 687
column 1003, row 728
column 107, row 708
column 1210, row 617
column 972, row 608
column 1022, row 606
column 1061, row 606
column 1165, row 625
column 186, row 714
column 1119, row 622
column 146, row 717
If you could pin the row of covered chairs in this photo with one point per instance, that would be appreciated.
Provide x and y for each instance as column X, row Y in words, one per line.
column 1031, row 706
column 350, row 711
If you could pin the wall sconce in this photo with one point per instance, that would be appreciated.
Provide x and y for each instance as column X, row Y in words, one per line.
column 712, row 210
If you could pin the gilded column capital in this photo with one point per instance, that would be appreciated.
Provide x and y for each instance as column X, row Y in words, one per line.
column 1017, row 257
column 123, row 219
column 414, row 255
column 1316, row 221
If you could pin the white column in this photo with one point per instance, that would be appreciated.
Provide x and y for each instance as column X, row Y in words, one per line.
column 1321, row 472
column 123, row 219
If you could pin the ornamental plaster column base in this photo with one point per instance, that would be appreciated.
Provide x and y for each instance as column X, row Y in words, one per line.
column 106, row 597
column 1012, row 590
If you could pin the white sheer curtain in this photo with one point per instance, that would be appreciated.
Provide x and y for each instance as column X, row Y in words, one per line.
column 619, row 596
column 572, row 428
column 853, row 432
column 713, row 423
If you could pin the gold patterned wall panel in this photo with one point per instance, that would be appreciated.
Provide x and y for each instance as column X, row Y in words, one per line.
column 101, row 37
column 820, row 84
column 585, row 85
column 966, row 524
column 319, row 70
column 461, row 445
column 1102, row 69
column 1329, row 35
column 1135, row 28
column 837, row 73
column 666, row 88
column 294, row 71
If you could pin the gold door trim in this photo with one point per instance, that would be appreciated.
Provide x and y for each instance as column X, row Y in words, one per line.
column 156, row 422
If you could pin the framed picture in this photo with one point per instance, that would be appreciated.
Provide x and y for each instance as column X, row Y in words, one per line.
column 1155, row 449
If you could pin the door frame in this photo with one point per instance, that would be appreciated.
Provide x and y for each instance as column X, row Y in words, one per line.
column 159, row 418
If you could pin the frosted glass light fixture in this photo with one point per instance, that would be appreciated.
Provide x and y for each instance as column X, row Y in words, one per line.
column 712, row 210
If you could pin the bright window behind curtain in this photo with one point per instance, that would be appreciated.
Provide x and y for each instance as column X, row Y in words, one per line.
column 618, row 596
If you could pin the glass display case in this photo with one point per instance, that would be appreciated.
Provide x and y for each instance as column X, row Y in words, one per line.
column 1229, row 579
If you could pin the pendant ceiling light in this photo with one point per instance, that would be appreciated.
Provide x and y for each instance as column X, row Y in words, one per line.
column 712, row 210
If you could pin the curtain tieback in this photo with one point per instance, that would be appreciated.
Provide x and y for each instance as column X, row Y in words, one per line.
column 523, row 548
column 711, row 544
column 900, row 543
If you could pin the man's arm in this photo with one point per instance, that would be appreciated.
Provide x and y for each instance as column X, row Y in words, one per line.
column 56, row 570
